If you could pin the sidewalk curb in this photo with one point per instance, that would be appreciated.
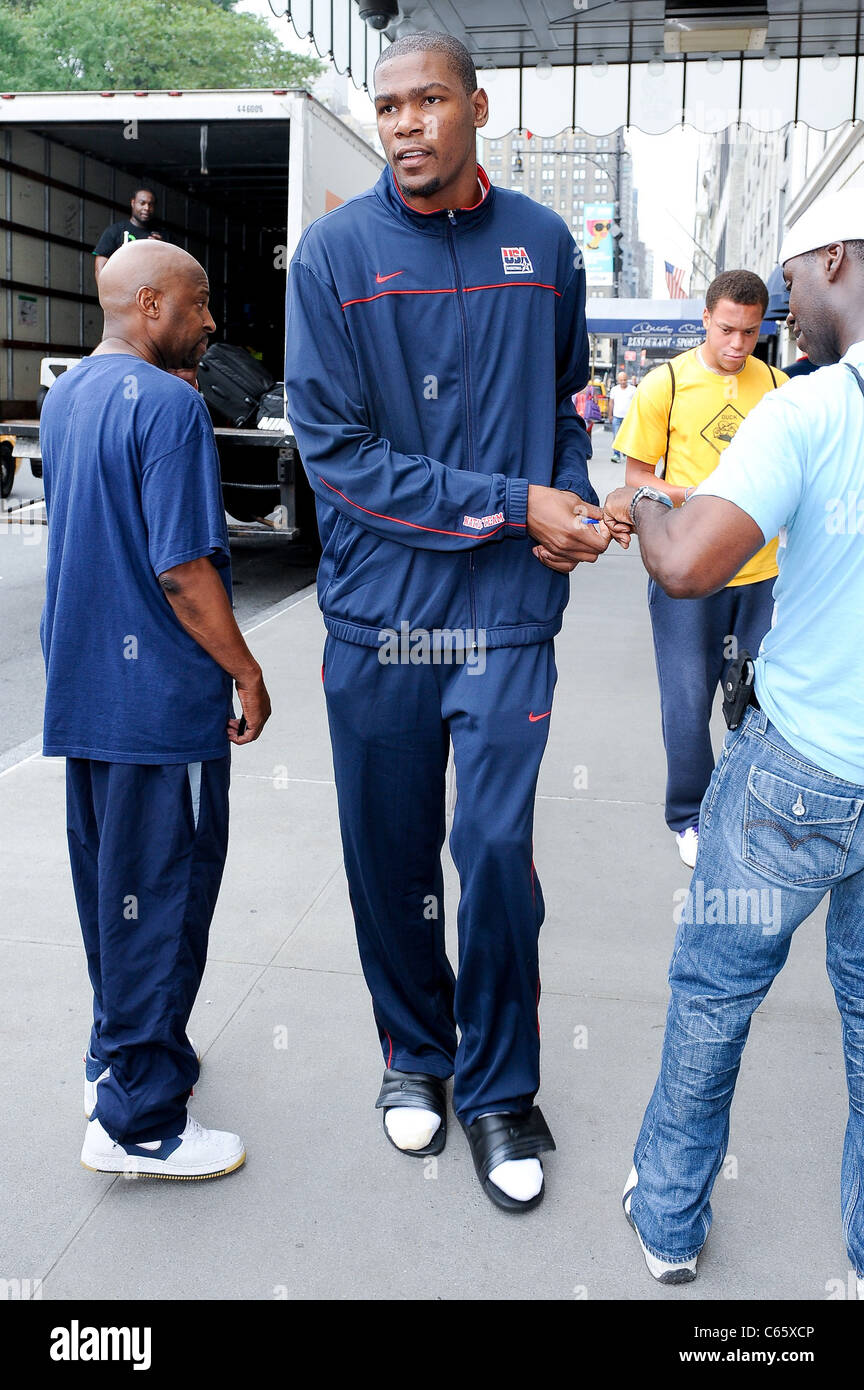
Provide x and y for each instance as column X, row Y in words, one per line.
column 22, row 753
column 277, row 609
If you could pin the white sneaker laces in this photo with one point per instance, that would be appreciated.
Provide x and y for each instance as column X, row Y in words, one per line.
column 193, row 1129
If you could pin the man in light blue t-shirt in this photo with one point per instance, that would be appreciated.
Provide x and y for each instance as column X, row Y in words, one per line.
column 783, row 817
column 140, row 647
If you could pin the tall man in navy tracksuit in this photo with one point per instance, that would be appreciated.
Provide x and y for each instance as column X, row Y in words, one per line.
column 436, row 336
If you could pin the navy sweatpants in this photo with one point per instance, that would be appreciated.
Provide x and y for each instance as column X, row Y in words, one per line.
column 391, row 727
column 147, row 847
column 692, row 649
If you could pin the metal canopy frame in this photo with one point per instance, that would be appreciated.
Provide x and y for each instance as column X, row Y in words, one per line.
column 529, row 39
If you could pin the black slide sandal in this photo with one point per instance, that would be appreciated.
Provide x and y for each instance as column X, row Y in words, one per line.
column 495, row 1139
column 401, row 1089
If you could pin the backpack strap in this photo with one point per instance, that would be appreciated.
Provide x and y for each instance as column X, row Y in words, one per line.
column 668, row 421
column 857, row 376
column 773, row 373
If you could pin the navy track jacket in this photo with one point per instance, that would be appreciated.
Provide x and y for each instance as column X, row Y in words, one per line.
column 431, row 360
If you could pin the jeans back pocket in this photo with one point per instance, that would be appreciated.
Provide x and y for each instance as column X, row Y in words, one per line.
column 794, row 833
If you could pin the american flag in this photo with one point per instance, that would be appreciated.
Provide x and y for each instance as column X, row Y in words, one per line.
column 674, row 277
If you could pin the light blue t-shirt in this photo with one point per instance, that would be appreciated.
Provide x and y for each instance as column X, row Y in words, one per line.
column 796, row 466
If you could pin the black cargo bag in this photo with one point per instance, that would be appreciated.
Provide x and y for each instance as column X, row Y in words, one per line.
column 232, row 382
column 272, row 405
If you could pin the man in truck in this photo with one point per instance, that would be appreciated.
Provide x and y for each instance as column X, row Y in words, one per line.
column 141, row 647
column 436, row 336
column 137, row 227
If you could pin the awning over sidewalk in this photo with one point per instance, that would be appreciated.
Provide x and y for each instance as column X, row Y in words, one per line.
column 778, row 302
column 594, row 65
column 654, row 323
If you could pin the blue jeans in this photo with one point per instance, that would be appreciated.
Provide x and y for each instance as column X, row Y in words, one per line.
column 777, row 834
column 692, row 650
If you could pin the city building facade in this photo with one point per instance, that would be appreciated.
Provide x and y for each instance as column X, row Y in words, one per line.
column 752, row 185
column 575, row 173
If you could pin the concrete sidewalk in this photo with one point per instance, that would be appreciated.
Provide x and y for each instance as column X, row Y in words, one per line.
column 324, row 1207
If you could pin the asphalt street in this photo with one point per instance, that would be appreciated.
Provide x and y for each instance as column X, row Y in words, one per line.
column 22, row 586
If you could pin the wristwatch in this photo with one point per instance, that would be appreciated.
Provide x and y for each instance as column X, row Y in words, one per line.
column 654, row 493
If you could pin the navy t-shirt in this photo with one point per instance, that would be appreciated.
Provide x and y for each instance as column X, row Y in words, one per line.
column 131, row 478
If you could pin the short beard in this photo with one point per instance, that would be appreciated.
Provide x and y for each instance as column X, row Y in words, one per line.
column 826, row 351
column 425, row 191
column 190, row 361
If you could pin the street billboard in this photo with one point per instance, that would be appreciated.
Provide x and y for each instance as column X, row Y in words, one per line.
column 598, row 245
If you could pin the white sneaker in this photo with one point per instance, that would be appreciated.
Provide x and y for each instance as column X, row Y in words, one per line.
column 683, row 1272
column 688, row 844
column 94, row 1072
column 196, row 1153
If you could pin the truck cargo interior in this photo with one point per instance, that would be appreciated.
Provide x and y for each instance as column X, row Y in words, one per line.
column 222, row 192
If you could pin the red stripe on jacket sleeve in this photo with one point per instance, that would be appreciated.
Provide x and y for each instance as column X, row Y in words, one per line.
column 434, row 530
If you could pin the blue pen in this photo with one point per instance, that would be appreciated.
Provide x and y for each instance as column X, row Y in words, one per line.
column 590, row 521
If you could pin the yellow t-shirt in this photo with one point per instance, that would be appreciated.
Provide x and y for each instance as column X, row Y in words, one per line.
column 707, row 411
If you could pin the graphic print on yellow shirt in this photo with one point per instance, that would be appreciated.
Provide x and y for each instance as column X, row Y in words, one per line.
column 722, row 429
column 707, row 411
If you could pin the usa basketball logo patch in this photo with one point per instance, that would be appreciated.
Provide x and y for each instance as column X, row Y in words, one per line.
column 516, row 261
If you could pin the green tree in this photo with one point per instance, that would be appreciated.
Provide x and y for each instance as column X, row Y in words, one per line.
column 104, row 45
column 14, row 50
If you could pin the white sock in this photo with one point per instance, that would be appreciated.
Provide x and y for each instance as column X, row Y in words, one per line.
column 411, row 1128
column 520, row 1178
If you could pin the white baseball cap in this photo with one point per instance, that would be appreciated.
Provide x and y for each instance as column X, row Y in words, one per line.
column 835, row 217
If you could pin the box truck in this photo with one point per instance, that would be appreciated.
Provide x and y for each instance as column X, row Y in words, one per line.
column 237, row 176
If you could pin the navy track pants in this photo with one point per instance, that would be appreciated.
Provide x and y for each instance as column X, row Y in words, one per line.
column 147, row 847
column 391, row 727
column 692, row 650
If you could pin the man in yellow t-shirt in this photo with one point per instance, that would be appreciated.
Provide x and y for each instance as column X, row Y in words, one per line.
column 687, row 412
